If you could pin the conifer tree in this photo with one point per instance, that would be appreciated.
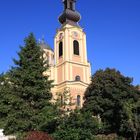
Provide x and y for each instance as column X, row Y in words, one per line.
column 3, row 110
column 29, row 91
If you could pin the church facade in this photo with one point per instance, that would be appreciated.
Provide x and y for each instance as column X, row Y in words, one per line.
column 69, row 67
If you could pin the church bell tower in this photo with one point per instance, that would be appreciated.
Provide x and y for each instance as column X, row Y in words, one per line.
column 72, row 69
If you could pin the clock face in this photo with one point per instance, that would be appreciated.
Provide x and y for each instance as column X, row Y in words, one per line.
column 61, row 36
column 75, row 34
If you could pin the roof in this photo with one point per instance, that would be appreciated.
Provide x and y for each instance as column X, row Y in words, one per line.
column 44, row 45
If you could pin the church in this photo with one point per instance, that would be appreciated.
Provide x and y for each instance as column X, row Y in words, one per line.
column 69, row 66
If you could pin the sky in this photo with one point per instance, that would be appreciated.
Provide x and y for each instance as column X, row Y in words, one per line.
column 112, row 28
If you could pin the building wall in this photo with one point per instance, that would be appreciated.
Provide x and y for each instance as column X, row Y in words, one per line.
column 64, row 69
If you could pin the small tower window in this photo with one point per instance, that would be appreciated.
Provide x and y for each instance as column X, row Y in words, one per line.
column 71, row 5
column 77, row 78
column 65, row 3
column 60, row 49
column 78, row 100
column 76, row 47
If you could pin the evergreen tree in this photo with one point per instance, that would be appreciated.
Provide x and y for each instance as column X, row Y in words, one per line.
column 61, row 110
column 29, row 90
column 3, row 109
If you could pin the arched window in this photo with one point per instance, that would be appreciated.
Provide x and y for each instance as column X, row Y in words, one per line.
column 77, row 78
column 76, row 47
column 78, row 100
column 60, row 49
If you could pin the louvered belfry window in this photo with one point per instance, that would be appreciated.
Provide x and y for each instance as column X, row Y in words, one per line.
column 76, row 47
column 60, row 49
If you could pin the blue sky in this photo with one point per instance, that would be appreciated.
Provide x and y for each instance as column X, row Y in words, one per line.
column 112, row 28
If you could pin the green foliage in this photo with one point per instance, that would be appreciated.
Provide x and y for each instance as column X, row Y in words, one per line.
column 112, row 103
column 5, row 98
column 131, row 125
column 108, row 96
column 61, row 110
column 25, row 93
column 63, row 102
column 77, row 126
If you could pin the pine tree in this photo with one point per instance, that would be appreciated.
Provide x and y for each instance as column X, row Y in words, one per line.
column 3, row 110
column 29, row 91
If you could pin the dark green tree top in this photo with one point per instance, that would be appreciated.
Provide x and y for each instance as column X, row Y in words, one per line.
column 26, row 91
column 27, row 76
column 106, row 97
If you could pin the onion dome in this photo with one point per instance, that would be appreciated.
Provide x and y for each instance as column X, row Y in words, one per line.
column 69, row 15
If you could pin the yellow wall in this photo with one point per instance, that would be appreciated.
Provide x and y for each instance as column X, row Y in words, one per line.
column 69, row 65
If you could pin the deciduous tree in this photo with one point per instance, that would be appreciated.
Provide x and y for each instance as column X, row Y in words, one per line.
column 108, row 96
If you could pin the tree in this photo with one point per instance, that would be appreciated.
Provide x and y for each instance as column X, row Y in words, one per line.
column 77, row 126
column 63, row 102
column 106, row 96
column 3, row 109
column 28, row 90
column 6, row 99
column 59, row 112
column 131, row 125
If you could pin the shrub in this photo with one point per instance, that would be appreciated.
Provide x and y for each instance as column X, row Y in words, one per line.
column 37, row 135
